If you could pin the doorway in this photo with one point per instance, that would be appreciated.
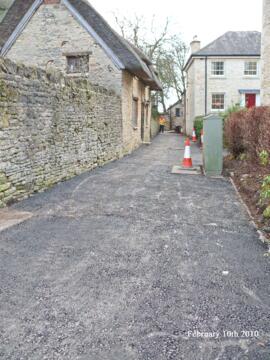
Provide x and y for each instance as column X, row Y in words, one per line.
column 142, row 122
column 250, row 100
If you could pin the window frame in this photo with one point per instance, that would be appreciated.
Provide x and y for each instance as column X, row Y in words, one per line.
column 77, row 56
column 135, row 112
column 248, row 70
column 218, row 94
column 146, row 108
column 213, row 70
column 178, row 112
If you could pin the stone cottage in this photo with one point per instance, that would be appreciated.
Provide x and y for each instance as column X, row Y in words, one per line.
column 224, row 73
column 71, row 36
column 265, row 81
column 176, row 114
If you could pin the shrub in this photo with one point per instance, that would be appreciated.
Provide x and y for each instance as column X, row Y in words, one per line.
column 198, row 125
column 265, row 189
column 265, row 196
column 249, row 131
column 233, row 131
column 155, row 113
column 266, row 212
column 230, row 111
column 257, row 132
column 264, row 133
column 264, row 158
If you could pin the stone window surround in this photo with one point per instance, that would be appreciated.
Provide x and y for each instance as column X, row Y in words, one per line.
column 77, row 54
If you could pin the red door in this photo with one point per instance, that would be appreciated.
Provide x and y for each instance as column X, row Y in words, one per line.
column 250, row 100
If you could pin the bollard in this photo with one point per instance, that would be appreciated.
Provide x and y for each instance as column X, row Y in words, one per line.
column 213, row 145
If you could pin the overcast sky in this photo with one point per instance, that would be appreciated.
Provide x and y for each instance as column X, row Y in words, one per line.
column 208, row 19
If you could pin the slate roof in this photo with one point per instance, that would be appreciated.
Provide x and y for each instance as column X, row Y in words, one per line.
column 132, row 59
column 12, row 18
column 234, row 43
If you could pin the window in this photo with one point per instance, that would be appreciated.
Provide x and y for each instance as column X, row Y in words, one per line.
column 77, row 64
column 135, row 112
column 177, row 112
column 146, row 114
column 217, row 68
column 218, row 101
column 251, row 68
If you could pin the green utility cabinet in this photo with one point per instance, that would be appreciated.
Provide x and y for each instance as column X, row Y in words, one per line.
column 213, row 145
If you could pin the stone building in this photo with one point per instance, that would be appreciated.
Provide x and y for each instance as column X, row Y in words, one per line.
column 71, row 36
column 224, row 73
column 265, row 83
column 176, row 114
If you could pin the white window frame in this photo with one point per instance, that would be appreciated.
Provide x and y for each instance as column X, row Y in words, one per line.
column 224, row 96
column 213, row 70
column 250, row 71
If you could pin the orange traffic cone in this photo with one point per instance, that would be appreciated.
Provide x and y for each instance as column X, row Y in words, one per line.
column 202, row 138
column 187, row 162
column 194, row 138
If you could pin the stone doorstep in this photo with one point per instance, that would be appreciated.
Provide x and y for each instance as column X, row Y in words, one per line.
column 9, row 218
column 195, row 170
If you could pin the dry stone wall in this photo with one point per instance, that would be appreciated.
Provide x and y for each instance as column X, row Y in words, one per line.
column 52, row 128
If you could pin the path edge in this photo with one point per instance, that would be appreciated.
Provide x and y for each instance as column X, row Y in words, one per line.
column 262, row 237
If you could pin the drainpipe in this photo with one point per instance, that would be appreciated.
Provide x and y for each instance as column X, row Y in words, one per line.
column 206, row 85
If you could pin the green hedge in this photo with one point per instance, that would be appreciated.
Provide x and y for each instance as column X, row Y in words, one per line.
column 198, row 125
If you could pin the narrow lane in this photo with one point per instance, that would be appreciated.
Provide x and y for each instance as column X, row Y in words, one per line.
column 132, row 262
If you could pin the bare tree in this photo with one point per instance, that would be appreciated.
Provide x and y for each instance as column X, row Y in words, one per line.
column 166, row 50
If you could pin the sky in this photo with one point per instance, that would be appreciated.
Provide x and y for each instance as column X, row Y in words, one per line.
column 206, row 19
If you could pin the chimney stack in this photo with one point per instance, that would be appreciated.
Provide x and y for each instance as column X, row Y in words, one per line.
column 195, row 45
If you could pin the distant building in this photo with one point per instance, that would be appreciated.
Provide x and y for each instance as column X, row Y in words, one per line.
column 176, row 115
column 71, row 36
column 265, row 83
column 224, row 73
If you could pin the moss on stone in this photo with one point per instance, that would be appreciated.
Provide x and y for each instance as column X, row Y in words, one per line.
column 5, row 187
column 3, row 179
column 4, row 121
column 7, row 92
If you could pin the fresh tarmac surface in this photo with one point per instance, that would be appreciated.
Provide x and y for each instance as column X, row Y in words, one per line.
column 128, row 261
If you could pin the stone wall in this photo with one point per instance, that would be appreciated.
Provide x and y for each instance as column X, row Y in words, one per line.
column 132, row 133
column 154, row 127
column 52, row 128
column 177, row 120
column 265, row 83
